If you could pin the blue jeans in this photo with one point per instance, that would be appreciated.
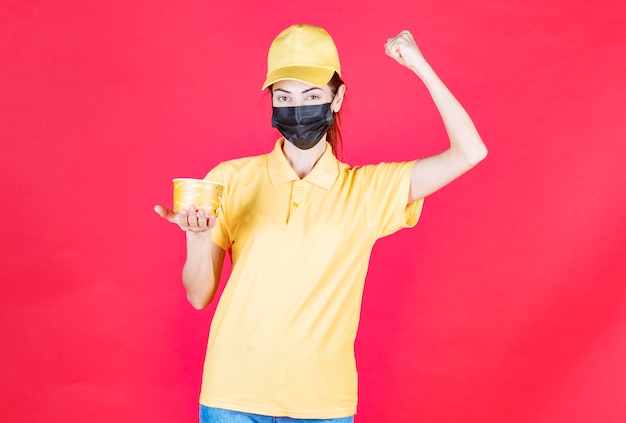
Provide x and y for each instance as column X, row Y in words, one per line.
column 218, row 415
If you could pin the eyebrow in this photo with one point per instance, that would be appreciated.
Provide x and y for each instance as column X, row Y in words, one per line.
column 303, row 92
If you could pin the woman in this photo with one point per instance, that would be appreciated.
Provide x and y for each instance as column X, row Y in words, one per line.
column 300, row 226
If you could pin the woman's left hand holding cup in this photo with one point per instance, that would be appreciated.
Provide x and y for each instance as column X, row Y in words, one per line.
column 190, row 220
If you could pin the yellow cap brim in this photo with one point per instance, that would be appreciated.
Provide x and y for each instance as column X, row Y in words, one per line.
column 308, row 74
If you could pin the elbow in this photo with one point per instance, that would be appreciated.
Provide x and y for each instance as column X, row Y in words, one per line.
column 200, row 292
column 477, row 156
column 199, row 303
column 198, row 306
column 200, row 298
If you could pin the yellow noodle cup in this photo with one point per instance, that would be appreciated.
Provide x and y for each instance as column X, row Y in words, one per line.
column 201, row 193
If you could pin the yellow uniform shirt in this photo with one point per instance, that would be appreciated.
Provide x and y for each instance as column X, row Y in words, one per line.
column 282, row 339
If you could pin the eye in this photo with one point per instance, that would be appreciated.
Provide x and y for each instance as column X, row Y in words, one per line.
column 282, row 98
column 313, row 97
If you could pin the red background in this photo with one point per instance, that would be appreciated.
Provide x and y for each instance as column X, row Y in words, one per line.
column 505, row 303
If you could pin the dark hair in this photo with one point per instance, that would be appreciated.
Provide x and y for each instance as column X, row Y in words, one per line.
column 333, row 135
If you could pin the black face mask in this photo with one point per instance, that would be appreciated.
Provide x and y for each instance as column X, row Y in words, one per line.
column 303, row 126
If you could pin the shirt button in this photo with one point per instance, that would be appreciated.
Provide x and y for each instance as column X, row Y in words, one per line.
column 295, row 204
column 298, row 186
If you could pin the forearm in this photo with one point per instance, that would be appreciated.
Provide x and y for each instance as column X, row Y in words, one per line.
column 466, row 146
column 465, row 141
column 202, row 269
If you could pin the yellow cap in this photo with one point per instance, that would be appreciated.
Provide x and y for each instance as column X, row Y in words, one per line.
column 305, row 53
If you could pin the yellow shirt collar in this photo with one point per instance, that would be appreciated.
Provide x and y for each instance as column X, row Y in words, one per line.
column 324, row 172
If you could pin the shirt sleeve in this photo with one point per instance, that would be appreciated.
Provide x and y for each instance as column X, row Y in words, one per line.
column 220, row 233
column 388, row 186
